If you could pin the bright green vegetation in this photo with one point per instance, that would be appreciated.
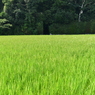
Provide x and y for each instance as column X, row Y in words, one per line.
column 47, row 65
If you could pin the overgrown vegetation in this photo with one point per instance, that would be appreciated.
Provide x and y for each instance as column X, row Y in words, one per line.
column 47, row 65
column 41, row 16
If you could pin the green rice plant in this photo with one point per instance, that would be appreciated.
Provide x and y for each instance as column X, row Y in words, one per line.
column 47, row 65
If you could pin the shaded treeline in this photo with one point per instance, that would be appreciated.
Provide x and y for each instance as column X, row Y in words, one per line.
column 25, row 17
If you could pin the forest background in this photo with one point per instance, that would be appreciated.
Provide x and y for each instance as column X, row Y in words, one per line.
column 27, row 17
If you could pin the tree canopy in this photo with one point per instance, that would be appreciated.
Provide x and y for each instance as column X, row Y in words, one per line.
column 45, row 17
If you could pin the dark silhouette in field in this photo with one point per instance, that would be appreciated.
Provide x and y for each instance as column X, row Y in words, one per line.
column 46, row 28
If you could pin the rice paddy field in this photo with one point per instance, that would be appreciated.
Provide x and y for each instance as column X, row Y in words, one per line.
column 47, row 65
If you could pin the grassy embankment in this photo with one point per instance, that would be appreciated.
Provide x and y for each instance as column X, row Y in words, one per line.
column 47, row 65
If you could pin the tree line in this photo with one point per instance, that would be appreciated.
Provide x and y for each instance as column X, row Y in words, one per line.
column 25, row 17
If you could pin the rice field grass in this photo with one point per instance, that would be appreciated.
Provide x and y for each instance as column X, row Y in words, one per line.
column 47, row 65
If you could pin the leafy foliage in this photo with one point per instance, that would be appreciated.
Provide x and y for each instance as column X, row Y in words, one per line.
column 4, row 23
column 26, row 15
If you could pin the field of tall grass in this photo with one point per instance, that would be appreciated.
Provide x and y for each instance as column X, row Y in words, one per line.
column 47, row 65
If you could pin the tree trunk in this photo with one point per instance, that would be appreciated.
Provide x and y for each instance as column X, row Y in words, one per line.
column 45, row 28
column 81, row 11
column 1, row 6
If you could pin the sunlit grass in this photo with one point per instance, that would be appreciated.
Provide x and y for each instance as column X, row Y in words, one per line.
column 47, row 65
